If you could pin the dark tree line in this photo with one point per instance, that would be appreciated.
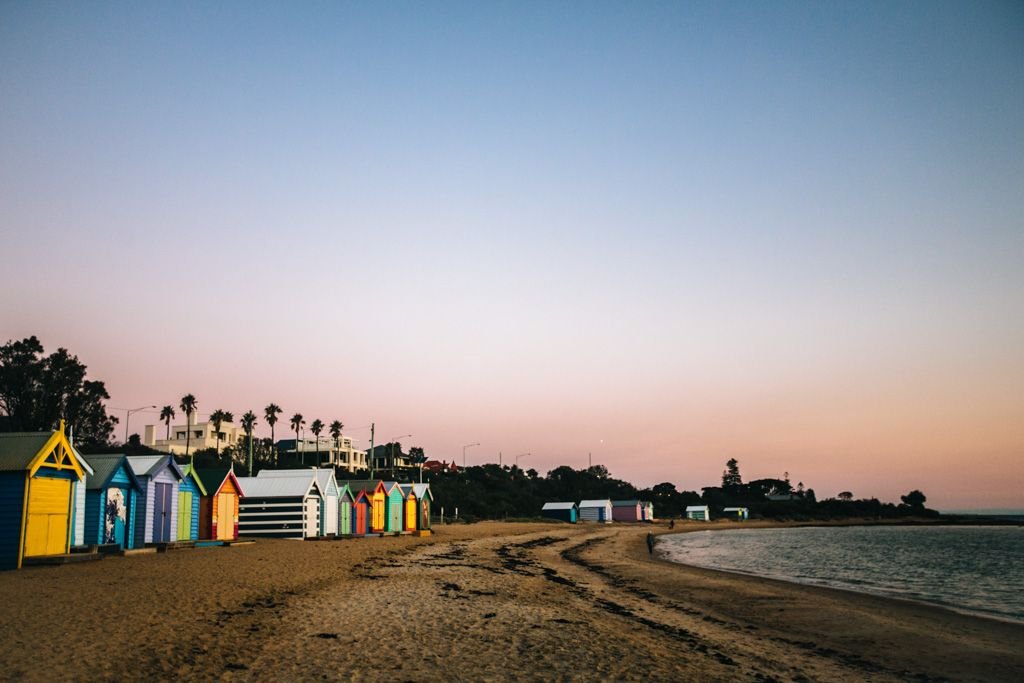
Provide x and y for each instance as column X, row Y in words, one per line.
column 37, row 391
column 493, row 492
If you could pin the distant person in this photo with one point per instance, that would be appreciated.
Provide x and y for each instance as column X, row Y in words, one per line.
column 672, row 523
column 650, row 544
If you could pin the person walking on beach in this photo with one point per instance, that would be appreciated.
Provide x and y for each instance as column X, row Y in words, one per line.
column 650, row 544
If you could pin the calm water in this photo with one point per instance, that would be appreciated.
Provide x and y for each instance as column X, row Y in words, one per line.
column 976, row 569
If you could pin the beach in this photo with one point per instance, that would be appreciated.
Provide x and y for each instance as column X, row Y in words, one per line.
column 488, row 601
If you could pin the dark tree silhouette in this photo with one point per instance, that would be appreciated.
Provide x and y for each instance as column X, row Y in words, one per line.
column 167, row 414
column 188, row 406
column 38, row 391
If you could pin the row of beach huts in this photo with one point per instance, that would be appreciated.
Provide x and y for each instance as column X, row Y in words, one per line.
column 52, row 499
column 604, row 511
column 607, row 511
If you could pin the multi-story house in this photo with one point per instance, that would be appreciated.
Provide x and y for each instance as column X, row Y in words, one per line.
column 203, row 435
column 340, row 453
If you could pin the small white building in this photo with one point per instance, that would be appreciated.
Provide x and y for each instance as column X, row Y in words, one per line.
column 701, row 512
column 596, row 511
column 739, row 514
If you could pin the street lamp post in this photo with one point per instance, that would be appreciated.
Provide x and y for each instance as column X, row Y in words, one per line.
column 128, row 417
column 469, row 445
column 522, row 455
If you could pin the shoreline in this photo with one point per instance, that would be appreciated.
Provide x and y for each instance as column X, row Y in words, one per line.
column 845, row 589
column 489, row 601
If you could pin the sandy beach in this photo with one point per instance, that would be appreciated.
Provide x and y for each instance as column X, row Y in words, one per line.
column 489, row 601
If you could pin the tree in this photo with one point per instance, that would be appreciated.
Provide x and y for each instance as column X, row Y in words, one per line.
column 316, row 428
column 248, row 423
column 335, row 430
column 731, row 479
column 915, row 499
column 38, row 391
column 270, row 414
column 218, row 418
column 297, row 423
column 845, row 495
column 167, row 414
column 188, row 406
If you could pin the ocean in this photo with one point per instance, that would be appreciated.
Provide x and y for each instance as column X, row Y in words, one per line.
column 973, row 569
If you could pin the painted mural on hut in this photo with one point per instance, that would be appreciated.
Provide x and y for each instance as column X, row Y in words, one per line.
column 115, row 519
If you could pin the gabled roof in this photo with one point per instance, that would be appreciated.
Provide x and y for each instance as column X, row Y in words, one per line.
column 324, row 477
column 294, row 486
column 595, row 503
column 105, row 467
column 17, row 449
column 187, row 470
column 390, row 486
column 151, row 465
column 422, row 491
column 370, row 485
column 694, row 508
column 31, row 450
column 625, row 503
column 558, row 506
column 343, row 490
column 286, row 473
column 213, row 479
column 82, row 461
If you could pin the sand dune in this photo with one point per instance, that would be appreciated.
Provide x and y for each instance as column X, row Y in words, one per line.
column 489, row 601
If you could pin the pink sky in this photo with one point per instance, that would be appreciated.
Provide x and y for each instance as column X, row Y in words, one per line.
column 667, row 235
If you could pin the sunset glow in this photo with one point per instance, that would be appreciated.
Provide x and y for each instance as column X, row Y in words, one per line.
column 663, row 237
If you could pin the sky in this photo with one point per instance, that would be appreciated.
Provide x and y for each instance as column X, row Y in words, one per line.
column 661, row 234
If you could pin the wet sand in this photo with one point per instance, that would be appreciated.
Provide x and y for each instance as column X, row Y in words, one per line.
column 489, row 601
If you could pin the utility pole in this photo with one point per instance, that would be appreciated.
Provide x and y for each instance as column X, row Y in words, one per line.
column 372, row 426
column 590, row 462
column 499, row 458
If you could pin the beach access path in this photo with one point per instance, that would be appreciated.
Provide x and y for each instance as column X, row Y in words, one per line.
column 489, row 601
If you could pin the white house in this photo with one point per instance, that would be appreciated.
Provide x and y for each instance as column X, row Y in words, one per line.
column 335, row 454
column 203, row 435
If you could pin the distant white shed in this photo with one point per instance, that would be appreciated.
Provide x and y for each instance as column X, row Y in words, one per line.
column 702, row 512
column 596, row 511
column 737, row 513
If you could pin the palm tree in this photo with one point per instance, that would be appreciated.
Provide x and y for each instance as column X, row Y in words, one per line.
column 167, row 414
column 297, row 423
column 335, row 429
column 316, row 428
column 270, row 414
column 188, row 406
column 219, row 417
column 248, row 422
